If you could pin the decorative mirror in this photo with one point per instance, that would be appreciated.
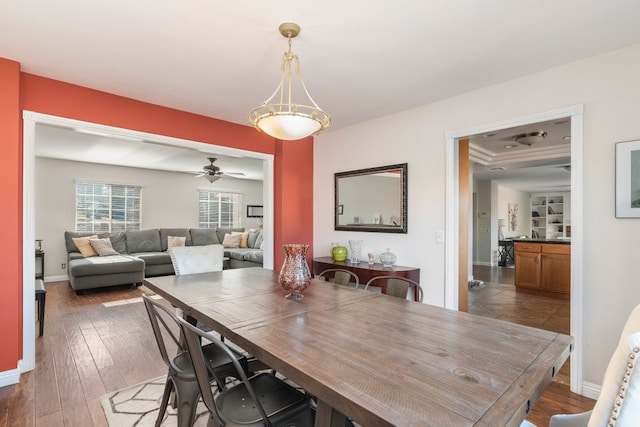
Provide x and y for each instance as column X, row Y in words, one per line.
column 373, row 199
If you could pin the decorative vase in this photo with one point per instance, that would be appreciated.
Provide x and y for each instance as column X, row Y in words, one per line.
column 355, row 246
column 387, row 258
column 339, row 253
column 294, row 274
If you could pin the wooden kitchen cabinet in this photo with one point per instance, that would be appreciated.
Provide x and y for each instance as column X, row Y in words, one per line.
column 543, row 268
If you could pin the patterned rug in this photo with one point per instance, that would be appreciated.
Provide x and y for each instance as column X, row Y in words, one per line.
column 138, row 406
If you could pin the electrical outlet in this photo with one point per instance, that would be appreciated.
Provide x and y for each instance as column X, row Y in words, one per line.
column 440, row 236
column 63, row 266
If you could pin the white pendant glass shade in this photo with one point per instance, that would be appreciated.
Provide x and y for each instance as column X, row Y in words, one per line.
column 288, row 127
column 285, row 118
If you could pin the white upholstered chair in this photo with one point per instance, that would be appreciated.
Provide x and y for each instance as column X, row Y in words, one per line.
column 619, row 401
column 196, row 259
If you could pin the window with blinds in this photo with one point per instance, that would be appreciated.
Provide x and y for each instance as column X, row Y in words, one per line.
column 102, row 207
column 218, row 209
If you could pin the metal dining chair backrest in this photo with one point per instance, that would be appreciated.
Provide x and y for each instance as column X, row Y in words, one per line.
column 262, row 399
column 341, row 277
column 181, row 376
column 398, row 286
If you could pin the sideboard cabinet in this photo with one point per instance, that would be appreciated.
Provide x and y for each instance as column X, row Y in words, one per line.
column 366, row 272
column 543, row 268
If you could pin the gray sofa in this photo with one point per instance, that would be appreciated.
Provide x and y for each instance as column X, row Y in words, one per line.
column 144, row 253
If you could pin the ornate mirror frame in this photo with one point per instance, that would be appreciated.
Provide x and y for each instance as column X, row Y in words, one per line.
column 385, row 212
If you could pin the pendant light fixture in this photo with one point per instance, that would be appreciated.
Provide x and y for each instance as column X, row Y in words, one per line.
column 283, row 117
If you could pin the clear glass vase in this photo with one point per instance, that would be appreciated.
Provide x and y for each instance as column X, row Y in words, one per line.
column 294, row 274
column 355, row 247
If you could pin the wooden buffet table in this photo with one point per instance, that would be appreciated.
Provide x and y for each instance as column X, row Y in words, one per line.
column 379, row 360
column 366, row 271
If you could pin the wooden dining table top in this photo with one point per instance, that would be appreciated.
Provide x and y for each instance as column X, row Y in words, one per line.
column 377, row 359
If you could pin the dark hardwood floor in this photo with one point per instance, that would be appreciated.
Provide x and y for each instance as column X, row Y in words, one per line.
column 90, row 348
column 498, row 299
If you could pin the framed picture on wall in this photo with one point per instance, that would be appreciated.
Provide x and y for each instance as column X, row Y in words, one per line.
column 254, row 211
column 628, row 179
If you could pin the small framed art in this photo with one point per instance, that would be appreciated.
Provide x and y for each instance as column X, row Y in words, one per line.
column 628, row 179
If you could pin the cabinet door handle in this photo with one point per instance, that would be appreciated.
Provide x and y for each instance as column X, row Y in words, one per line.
column 538, row 259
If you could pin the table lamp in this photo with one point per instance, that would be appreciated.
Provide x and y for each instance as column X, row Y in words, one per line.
column 501, row 224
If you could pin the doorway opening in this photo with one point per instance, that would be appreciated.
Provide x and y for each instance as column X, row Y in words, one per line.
column 30, row 122
column 454, row 207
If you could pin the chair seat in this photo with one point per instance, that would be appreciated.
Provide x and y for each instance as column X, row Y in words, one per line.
column 216, row 358
column 276, row 396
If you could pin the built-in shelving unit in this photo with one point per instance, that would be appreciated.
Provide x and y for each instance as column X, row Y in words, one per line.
column 551, row 216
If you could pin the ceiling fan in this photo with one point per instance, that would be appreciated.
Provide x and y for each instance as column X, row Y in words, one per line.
column 213, row 173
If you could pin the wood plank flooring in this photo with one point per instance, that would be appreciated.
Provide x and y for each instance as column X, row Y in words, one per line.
column 89, row 349
column 498, row 299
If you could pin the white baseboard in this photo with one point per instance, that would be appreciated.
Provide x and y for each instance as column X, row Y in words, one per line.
column 591, row 390
column 9, row 377
column 56, row 278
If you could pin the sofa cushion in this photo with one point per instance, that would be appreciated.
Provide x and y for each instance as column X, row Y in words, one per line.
column 84, row 245
column 204, row 236
column 222, row 231
column 245, row 254
column 118, row 242
column 256, row 256
column 113, row 264
column 154, row 258
column 143, row 241
column 255, row 239
column 103, row 247
column 232, row 240
column 174, row 241
column 70, row 235
column 244, row 236
column 176, row 232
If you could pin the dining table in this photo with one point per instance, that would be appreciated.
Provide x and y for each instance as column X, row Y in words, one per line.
column 377, row 359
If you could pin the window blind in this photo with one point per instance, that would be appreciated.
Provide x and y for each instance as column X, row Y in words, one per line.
column 219, row 209
column 103, row 207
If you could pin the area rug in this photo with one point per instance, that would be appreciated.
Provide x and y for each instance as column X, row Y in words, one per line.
column 138, row 406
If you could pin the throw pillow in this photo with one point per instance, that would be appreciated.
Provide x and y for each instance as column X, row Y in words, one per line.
column 103, row 247
column 83, row 245
column 244, row 237
column 175, row 241
column 232, row 240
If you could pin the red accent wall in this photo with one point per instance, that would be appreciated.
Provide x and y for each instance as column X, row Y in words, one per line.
column 10, row 216
column 293, row 191
column 293, row 209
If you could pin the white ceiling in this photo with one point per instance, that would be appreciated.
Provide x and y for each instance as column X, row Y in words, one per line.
column 360, row 59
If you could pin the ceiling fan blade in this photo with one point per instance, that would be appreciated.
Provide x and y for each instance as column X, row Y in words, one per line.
column 234, row 173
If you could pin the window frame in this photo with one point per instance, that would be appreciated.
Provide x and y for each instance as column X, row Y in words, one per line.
column 236, row 214
column 115, row 203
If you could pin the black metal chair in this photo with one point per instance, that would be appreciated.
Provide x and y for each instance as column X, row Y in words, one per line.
column 340, row 276
column 259, row 400
column 397, row 286
column 181, row 376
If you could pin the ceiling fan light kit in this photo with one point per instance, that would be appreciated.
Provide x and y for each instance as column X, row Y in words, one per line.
column 282, row 118
column 530, row 138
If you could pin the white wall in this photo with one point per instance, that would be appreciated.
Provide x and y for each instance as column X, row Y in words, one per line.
column 607, row 86
column 485, row 223
column 508, row 195
column 169, row 199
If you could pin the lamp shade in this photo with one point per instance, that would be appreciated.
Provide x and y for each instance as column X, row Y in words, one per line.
column 502, row 223
column 288, row 127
